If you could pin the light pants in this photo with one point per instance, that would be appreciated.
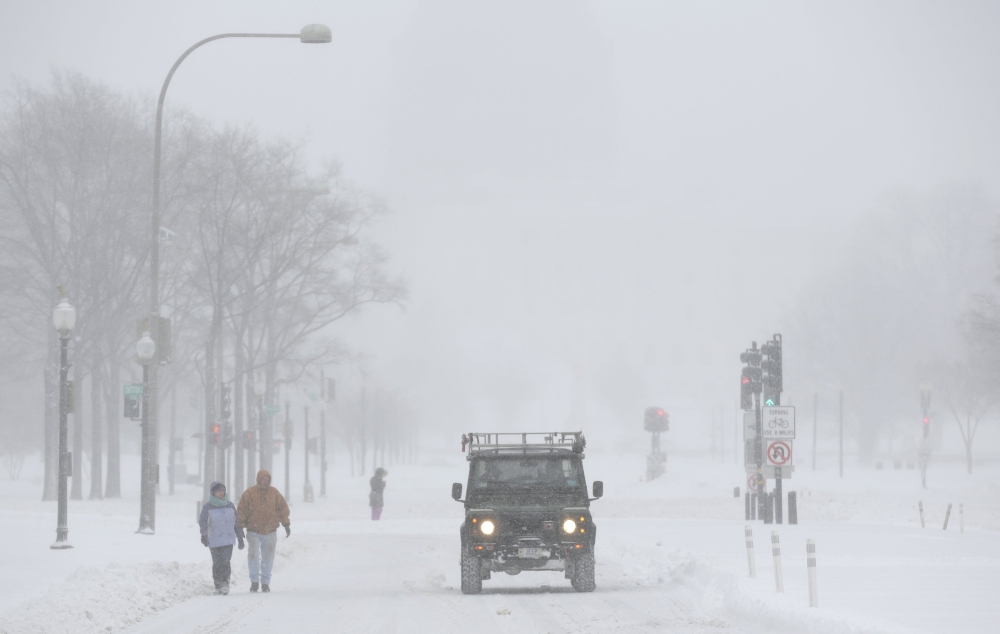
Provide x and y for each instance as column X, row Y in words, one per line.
column 260, row 555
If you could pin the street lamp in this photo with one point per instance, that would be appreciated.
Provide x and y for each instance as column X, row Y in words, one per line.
column 64, row 318
column 145, row 349
column 309, row 34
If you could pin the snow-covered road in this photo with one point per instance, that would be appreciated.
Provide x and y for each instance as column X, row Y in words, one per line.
column 670, row 557
column 397, row 582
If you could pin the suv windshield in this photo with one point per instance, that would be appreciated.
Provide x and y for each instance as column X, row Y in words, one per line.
column 517, row 472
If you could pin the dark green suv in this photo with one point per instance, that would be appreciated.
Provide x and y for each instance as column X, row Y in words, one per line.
column 527, row 507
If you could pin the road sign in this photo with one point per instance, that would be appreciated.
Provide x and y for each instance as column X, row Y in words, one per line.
column 271, row 410
column 749, row 425
column 132, row 389
column 779, row 453
column 778, row 423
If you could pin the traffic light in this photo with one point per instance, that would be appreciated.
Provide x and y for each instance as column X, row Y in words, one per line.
column 656, row 419
column 225, row 402
column 227, row 434
column 750, row 381
column 248, row 440
column 772, row 366
column 746, row 396
column 216, row 436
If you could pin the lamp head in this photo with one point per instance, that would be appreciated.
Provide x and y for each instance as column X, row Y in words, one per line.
column 145, row 348
column 64, row 317
column 315, row 34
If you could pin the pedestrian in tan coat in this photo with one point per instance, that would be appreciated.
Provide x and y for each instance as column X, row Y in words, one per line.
column 261, row 509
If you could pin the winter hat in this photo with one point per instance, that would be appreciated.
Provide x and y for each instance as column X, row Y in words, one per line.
column 216, row 486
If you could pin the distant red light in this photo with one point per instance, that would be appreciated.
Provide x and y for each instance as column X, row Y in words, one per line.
column 745, row 380
column 926, row 420
column 659, row 412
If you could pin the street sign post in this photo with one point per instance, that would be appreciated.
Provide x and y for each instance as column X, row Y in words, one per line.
column 778, row 423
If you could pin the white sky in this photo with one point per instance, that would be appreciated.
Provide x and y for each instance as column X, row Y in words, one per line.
column 587, row 196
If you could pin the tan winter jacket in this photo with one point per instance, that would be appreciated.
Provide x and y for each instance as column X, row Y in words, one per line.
column 261, row 510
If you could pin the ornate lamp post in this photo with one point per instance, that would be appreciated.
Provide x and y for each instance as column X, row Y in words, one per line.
column 145, row 349
column 64, row 318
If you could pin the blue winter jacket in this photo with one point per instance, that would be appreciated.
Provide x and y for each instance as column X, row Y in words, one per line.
column 219, row 523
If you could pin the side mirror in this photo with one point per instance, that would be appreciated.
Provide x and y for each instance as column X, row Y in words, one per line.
column 598, row 488
column 456, row 491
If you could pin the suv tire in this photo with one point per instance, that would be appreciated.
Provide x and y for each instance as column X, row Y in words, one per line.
column 583, row 573
column 472, row 574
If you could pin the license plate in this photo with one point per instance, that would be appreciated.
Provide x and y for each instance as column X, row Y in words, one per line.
column 530, row 553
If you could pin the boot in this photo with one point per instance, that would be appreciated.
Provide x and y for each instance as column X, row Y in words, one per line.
column 265, row 588
column 254, row 586
column 225, row 588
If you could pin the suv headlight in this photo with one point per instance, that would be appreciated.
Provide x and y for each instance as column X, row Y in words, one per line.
column 487, row 527
column 569, row 526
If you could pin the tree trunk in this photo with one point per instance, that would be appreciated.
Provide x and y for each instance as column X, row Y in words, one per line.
column 210, row 448
column 172, row 447
column 238, row 401
column 96, row 472
column 77, row 490
column 113, row 486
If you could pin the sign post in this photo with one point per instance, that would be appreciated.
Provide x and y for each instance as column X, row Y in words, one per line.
column 778, row 431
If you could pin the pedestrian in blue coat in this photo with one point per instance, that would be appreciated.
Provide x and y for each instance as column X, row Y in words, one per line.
column 219, row 531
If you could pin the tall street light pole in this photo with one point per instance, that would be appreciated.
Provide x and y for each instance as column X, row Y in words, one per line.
column 64, row 318
column 310, row 34
column 145, row 350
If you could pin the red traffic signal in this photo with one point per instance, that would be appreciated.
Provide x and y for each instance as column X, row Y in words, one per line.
column 926, row 420
column 659, row 412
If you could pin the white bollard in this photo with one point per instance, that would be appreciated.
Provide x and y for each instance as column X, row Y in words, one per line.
column 961, row 517
column 811, row 563
column 779, row 582
column 921, row 505
column 749, row 534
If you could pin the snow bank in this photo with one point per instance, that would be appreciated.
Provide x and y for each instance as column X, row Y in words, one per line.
column 749, row 605
column 102, row 600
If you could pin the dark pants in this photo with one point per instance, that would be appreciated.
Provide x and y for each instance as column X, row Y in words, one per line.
column 220, row 565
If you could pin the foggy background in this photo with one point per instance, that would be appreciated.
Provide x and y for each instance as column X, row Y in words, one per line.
column 598, row 205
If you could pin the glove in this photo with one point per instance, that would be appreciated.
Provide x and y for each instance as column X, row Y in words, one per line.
column 288, row 531
column 204, row 540
column 242, row 544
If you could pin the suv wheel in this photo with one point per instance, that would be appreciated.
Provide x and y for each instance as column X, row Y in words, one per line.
column 472, row 579
column 583, row 573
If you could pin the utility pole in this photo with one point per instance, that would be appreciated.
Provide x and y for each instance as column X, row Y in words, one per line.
column 322, row 453
column 815, row 427
column 307, row 488
column 841, row 450
column 925, row 442
column 288, row 448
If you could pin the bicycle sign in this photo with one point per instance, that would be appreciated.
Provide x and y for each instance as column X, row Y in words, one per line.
column 778, row 423
column 779, row 453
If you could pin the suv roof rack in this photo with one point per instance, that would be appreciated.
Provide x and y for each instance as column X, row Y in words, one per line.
column 511, row 442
